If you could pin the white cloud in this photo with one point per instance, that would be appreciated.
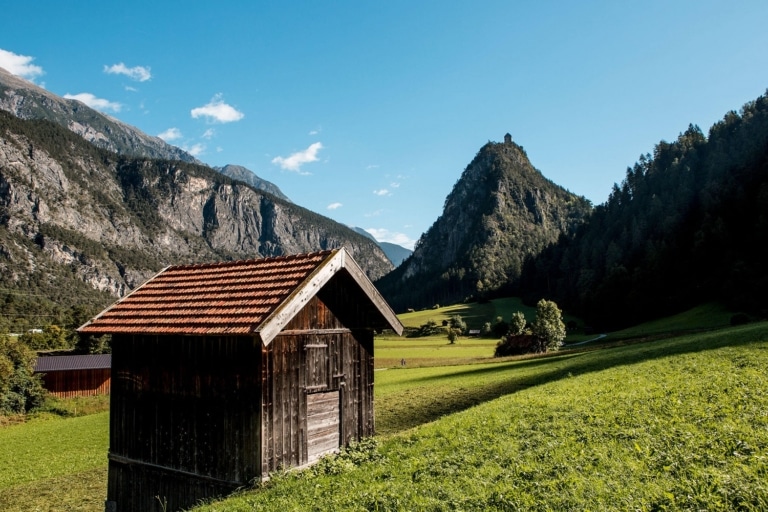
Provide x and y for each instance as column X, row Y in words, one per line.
column 334, row 206
column 218, row 111
column 394, row 184
column 92, row 101
column 170, row 134
column 385, row 235
column 209, row 133
column 381, row 192
column 195, row 149
column 296, row 160
column 138, row 73
column 19, row 65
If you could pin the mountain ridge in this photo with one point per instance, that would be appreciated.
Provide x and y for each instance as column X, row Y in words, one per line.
column 500, row 212
column 73, row 213
column 396, row 253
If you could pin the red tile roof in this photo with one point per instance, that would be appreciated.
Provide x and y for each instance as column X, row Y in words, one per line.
column 213, row 299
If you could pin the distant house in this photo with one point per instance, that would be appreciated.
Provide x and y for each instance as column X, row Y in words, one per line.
column 223, row 373
column 70, row 376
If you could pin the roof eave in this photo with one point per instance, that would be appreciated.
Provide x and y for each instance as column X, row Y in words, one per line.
column 80, row 330
column 336, row 261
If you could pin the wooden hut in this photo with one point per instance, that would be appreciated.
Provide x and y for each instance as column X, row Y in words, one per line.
column 223, row 373
column 70, row 376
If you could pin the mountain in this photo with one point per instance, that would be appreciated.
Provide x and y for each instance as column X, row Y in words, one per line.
column 238, row 172
column 396, row 253
column 80, row 225
column 29, row 101
column 687, row 225
column 500, row 212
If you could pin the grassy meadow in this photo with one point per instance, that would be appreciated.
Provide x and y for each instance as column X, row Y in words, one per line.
column 678, row 421
column 674, row 424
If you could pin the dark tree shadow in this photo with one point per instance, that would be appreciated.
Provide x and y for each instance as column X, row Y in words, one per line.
column 558, row 366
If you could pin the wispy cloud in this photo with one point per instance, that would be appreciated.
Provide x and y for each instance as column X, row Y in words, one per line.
column 385, row 235
column 195, row 149
column 218, row 111
column 394, row 184
column 92, row 101
column 296, row 160
column 138, row 73
column 19, row 65
column 170, row 134
column 334, row 206
column 382, row 192
column 209, row 133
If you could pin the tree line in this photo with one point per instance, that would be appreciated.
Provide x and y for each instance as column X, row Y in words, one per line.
column 687, row 225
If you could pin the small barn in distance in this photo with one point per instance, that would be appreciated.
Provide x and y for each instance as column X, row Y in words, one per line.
column 223, row 373
column 71, row 376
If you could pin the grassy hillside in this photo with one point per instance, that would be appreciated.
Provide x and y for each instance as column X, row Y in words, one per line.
column 54, row 464
column 675, row 424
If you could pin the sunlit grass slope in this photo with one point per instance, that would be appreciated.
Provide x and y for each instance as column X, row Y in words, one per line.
column 676, row 424
column 54, row 464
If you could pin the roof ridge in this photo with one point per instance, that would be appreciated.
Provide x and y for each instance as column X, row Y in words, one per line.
column 268, row 259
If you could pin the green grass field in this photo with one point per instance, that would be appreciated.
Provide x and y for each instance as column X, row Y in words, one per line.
column 54, row 464
column 677, row 423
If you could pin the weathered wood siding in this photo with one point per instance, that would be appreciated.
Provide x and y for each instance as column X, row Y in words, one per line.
column 72, row 383
column 184, row 420
column 314, row 354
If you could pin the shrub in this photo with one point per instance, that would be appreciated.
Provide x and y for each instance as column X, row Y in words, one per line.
column 518, row 344
column 20, row 390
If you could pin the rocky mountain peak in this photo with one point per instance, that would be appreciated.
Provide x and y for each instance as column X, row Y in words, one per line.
column 501, row 211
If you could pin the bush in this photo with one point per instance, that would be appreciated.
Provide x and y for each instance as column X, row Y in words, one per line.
column 20, row 390
column 518, row 344
column 500, row 328
column 458, row 323
column 428, row 329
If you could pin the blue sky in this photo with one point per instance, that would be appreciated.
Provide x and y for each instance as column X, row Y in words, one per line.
column 368, row 112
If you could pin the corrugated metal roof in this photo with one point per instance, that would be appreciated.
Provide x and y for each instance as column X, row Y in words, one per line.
column 213, row 299
column 49, row 364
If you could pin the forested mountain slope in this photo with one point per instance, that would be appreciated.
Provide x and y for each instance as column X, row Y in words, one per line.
column 73, row 215
column 688, row 224
column 500, row 211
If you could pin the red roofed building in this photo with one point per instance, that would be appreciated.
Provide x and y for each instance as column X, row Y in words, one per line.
column 223, row 373
column 70, row 376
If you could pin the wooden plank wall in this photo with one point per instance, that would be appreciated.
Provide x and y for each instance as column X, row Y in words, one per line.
column 184, row 419
column 314, row 354
column 72, row 383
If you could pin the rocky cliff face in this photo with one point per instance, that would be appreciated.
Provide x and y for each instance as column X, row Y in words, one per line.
column 113, row 221
column 500, row 212
column 238, row 172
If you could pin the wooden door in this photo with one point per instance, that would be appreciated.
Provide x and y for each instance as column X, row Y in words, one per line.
column 323, row 414
column 323, row 405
